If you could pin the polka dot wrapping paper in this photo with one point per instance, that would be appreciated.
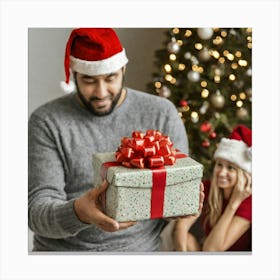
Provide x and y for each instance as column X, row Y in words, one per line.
column 147, row 193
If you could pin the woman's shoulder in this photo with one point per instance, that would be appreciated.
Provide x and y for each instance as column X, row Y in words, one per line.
column 245, row 209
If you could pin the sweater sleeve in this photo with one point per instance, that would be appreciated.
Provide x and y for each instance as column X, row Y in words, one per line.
column 50, row 213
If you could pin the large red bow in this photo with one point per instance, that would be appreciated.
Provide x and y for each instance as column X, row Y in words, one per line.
column 149, row 150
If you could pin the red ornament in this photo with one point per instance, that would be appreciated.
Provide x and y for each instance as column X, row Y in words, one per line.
column 205, row 144
column 213, row 135
column 205, row 127
column 183, row 103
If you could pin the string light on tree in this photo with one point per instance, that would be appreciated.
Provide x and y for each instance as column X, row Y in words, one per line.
column 194, row 117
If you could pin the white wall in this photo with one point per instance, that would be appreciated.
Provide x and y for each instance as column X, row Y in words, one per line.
column 46, row 57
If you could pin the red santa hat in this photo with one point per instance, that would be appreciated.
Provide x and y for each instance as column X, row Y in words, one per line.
column 237, row 148
column 92, row 51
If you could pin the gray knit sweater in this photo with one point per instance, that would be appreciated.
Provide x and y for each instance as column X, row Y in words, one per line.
column 62, row 138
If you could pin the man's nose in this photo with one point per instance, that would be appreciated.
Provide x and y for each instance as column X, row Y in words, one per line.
column 101, row 90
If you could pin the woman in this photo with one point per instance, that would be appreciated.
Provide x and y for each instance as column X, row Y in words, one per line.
column 227, row 214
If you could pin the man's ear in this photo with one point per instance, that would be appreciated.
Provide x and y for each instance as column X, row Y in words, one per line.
column 123, row 69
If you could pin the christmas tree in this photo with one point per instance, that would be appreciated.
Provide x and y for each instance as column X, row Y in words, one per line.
column 206, row 73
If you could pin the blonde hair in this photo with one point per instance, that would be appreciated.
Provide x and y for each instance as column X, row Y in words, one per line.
column 214, row 205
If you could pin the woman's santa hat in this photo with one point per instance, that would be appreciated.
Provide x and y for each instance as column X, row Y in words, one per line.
column 92, row 51
column 237, row 148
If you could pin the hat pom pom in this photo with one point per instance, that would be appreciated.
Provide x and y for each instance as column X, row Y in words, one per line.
column 68, row 88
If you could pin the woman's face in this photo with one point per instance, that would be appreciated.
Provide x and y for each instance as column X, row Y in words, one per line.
column 225, row 173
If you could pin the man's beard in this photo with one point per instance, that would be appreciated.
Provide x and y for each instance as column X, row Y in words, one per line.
column 89, row 107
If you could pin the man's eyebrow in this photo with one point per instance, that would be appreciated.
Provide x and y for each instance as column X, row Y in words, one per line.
column 112, row 74
column 86, row 76
column 92, row 77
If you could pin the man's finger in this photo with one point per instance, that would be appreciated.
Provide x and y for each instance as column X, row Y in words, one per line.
column 96, row 191
column 106, row 223
column 102, row 187
column 124, row 225
column 201, row 197
column 201, row 187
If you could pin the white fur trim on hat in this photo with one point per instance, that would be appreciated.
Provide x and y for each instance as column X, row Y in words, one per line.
column 100, row 67
column 235, row 151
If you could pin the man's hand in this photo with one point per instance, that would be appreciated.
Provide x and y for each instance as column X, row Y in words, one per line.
column 194, row 216
column 181, row 237
column 201, row 198
column 89, row 209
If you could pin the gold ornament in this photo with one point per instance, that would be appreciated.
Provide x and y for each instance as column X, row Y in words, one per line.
column 242, row 114
column 204, row 54
column 217, row 100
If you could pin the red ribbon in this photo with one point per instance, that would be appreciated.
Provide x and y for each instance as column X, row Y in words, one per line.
column 158, row 190
column 149, row 150
column 155, row 162
column 105, row 166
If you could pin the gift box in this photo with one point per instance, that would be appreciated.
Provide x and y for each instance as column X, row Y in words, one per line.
column 147, row 193
column 148, row 178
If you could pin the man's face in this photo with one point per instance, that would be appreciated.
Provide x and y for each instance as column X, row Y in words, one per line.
column 100, row 94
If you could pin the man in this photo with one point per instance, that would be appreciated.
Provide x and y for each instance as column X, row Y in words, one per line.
column 64, row 209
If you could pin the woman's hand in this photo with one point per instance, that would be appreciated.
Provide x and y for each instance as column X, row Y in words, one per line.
column 248, row 185
column 240, row 194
